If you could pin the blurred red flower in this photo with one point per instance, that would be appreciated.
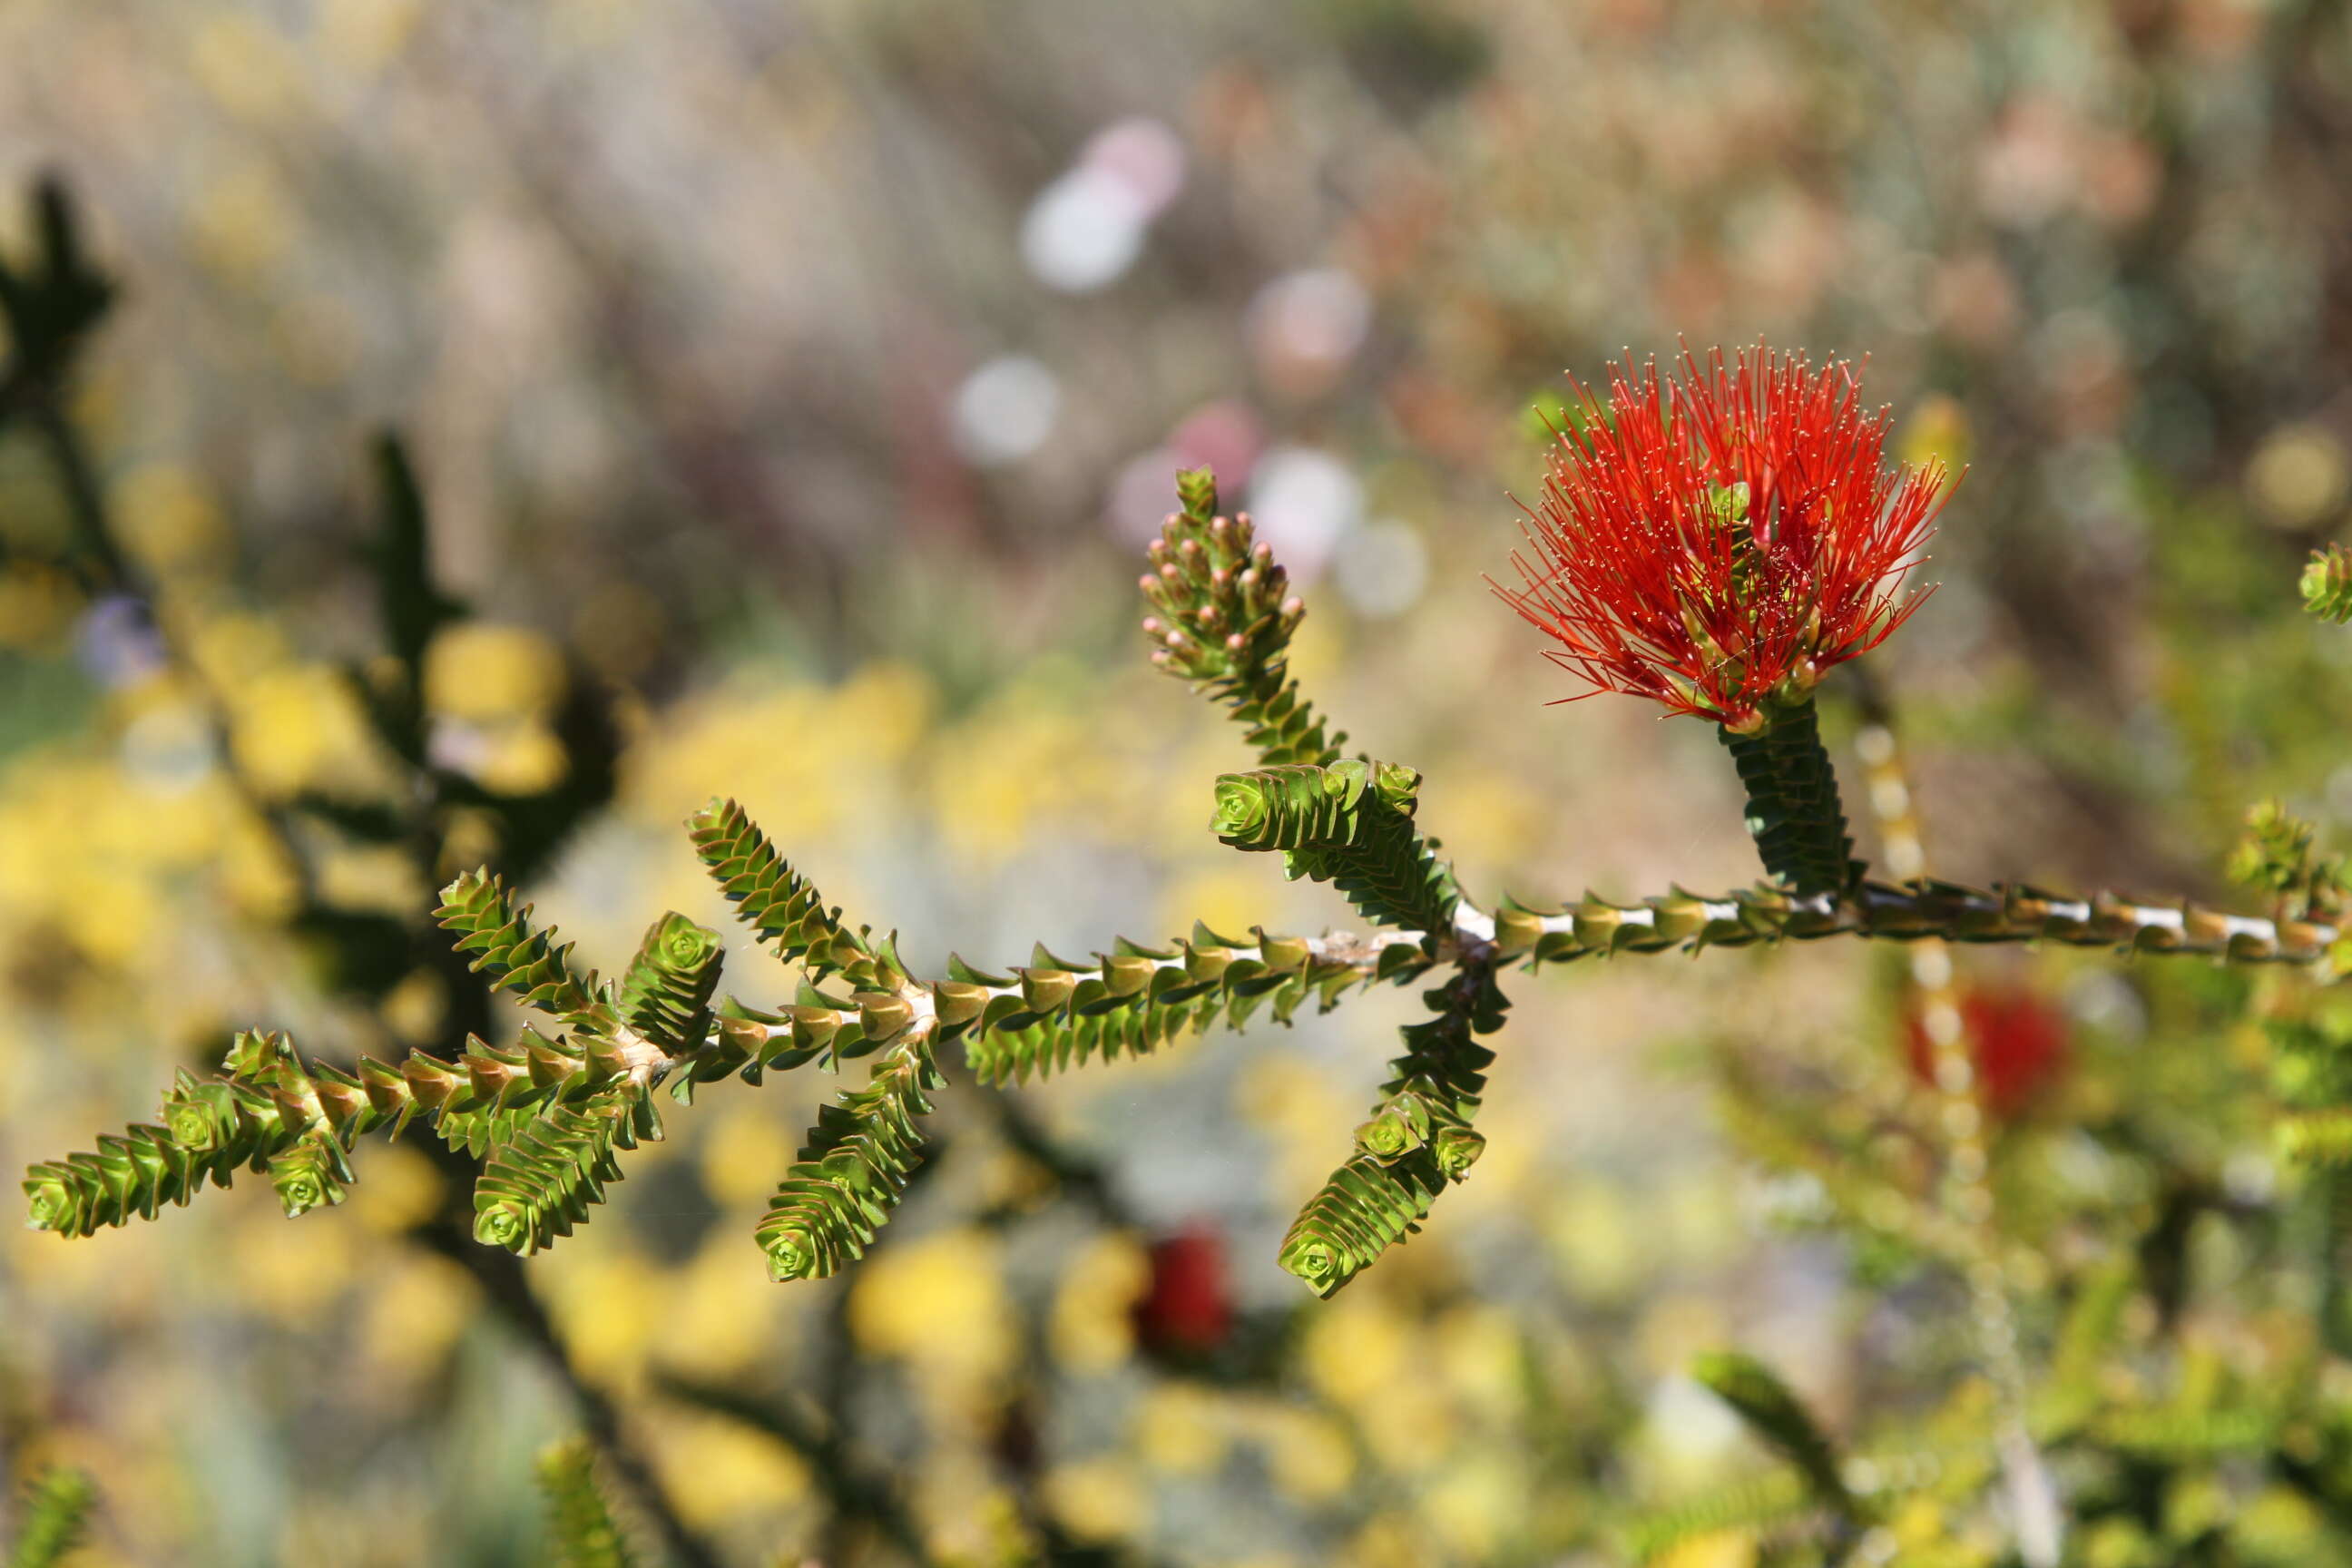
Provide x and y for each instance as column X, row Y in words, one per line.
column 1718, row 540
column 1187, row 1308
column 2016, row 1038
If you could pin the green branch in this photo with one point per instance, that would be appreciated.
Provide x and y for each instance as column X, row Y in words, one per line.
column 782, row 907
column 1773, row 1412
column 1221, row 619
column 1793, row 811
column 853, row 1169
column 1417, row 1141
column 2006, row 912
column 579, row 1517
column 498, row 933
column 1057, row 1013
column 52, row 1519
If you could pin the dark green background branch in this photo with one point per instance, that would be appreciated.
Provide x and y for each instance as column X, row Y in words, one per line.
column 51, row 309
column 51, row 1519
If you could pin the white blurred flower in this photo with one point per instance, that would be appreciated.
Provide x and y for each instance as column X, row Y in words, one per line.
column 1383, row 569
column 1143, row 495
column 1083, row 231
column 168, row 748
column 1087, row 228
column 1305, row 503
column 1005, row 410
column 1303, row 327
column 1689, row 1423
column 1142, row 153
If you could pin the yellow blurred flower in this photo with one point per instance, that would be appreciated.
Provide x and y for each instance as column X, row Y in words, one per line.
column 1589, row 1225
column 1717, row 1549
column 722, row 1315
column 413, row 1008
column 228, row 650
column 364, row 36
column 609, row 1302
column 1480, row 1355
column 37, row 605
column 249, row 69
column 744, row 1147
column 1097, row 1500
column 1357, row 1350
column 361, row 876
column 1492, row 820
column 1477, row 1503
column 1310, row 1455
column 759, row 745
column 479, row 672
column 1180, row 1429
column 241, row 222
column 1938, row 432
column 1295, row 1104
column 300, row 727
column 2299, row 475
column 1228, row 899
column 887, row 706
column 1093, row 1328
column 938, row 1301
column 169, row 518
column 412, row 1316
column 1388, row 1541
column 292, row 1270
column 254, row 870
column 400, row 1188
column 715, row 1469
column 523, row 759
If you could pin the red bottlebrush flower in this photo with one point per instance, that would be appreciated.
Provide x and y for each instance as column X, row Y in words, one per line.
column 1718, row 540
column 1187, row 1308
column 2017, row 1040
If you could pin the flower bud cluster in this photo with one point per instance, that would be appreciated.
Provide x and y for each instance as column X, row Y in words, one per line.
column 1219, row 604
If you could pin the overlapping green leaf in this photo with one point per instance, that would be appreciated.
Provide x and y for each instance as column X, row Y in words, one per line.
column 1417, row 1141
column 1350, row 824
column 854, row 1168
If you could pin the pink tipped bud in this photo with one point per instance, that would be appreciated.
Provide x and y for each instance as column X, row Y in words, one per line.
column 1294, row 605
column 1263, row 554
column 1169, row 574
column 1219, row 577
column 1158, row 550
column 1190, row 547
column 1153, row 626
column 1236, row 642
column 1147, row 582
column 1160, row 657
column 1248, row 579
column 1176, row 639
column 1220, row 526
column 1207, row 615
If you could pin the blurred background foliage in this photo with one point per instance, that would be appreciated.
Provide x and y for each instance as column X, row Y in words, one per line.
column 793, row 386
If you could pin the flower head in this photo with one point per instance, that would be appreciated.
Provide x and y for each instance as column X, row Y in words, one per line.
column 2016, row 1040
column 1718, row 539
column 1188, row 1308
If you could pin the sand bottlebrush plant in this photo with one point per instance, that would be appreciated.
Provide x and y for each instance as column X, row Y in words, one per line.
column 1714, row 540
